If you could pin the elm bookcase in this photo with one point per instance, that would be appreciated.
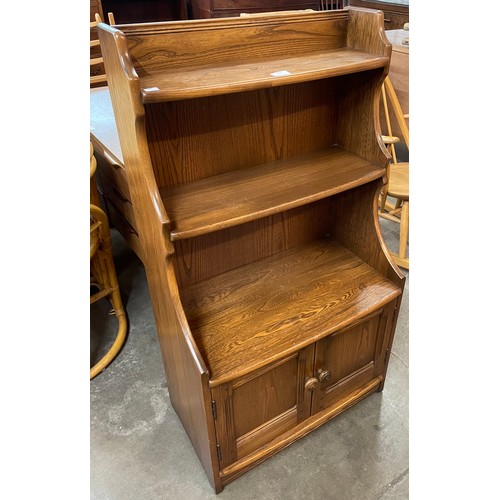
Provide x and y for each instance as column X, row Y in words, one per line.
column 253, row 161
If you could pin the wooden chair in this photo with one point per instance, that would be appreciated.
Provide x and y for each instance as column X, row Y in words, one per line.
column 332, row 4
column 111, row 18
column 398, row 174
column 98, row 79
column 103, row 274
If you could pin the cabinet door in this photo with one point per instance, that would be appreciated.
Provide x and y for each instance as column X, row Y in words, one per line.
column 351, row 358
column 254, row 409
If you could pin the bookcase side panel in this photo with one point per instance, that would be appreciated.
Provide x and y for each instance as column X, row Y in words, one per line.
column 185, row 371
column 358, row 229
column 358, row 125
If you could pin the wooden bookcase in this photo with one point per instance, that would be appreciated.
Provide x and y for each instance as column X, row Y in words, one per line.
column 253, row 161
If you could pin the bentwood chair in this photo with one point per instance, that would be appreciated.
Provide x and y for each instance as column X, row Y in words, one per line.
column 103, row 274
column 398, row 174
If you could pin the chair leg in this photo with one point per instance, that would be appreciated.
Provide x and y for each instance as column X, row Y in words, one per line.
column 103, row 264
column 400, row 257
column 383, row 199
column 403, row 232
column 103, row 269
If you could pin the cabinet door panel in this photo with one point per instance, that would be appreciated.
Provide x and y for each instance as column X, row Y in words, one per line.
column 351, row 358
column 260, row 406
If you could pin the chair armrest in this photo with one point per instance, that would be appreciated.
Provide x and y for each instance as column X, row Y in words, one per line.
column 389, row 139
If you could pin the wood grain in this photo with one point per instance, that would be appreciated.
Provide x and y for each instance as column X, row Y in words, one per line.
column 247, row 317
column 230, row 77
column 232, row 472
column 243, row 195
column 352, row 230
column 163, row 46
column 262, row 398
column 205, row 256
column 353, row 356
column 197, row 138
column 186, row 373
column 282, row 260
column 256, row 408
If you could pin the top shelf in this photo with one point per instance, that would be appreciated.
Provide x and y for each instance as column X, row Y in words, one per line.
column 229, row 78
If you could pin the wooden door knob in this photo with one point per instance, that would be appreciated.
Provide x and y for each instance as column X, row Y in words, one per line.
column 324, row 375
column 311, row 384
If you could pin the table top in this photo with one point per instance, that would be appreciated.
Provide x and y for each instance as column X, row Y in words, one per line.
column 103, row 130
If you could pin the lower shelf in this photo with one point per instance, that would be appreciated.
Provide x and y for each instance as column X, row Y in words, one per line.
column 250, row 316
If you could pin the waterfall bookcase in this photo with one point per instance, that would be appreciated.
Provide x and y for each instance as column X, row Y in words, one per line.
column 253, row 160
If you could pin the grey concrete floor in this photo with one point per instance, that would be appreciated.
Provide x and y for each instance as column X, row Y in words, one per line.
column 139, row 450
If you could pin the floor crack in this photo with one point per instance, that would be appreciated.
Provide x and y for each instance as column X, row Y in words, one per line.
column 393, row 483
column 400, row 359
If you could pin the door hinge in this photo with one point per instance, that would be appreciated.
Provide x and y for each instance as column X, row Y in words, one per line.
column 214, row 410
column 219, row 454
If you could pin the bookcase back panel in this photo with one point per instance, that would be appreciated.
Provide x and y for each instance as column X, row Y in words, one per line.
column 160, row 47
column 199, row 138
column 197, row 259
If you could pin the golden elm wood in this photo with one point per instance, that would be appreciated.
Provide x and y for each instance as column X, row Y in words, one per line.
column 311, row 384
column 217, row 79
column 254, row 198
column 250, row 129
column 280, row 304
column 262, row 405
column 214, row 253
column 288, row 437
column 158, row 47
column 263, row 190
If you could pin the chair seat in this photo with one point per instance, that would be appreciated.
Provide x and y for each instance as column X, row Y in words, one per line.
column 399, row 181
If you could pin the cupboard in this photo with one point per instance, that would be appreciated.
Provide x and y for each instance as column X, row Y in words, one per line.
column 253, row 161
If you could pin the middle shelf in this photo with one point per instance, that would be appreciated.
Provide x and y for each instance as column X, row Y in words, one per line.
column 250, row 316
column 239, row 196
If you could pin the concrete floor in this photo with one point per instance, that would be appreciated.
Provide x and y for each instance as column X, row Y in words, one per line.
column 139, row 449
